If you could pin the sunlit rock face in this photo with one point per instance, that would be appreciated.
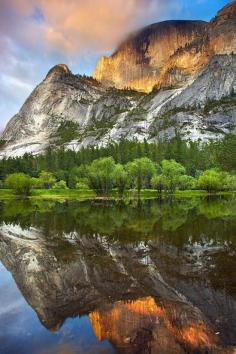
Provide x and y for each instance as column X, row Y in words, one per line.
column 189, row 62
column 137, row 63
column 170, row 53
column 222, row 33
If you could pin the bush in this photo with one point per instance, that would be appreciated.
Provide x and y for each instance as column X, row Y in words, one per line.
column 46, row 179
column 186, row 182
column 20, row 182
column 60, row 185
column 211, row 180
column 82, row 183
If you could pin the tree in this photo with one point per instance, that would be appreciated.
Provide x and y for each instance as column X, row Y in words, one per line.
column 230, row 182
column 20, row 183
column 60, row 185
column 121, row 179
column 101, row 174
column 75, row 175
column 226, row 153
column 46, row 179
column 82, row 183
column 141, row 171
column 186, row 182
column 158, row 183
column 172, row 171
column 211, row 180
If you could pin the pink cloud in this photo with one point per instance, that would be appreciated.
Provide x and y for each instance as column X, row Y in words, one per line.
column 37, row 34
column 74, row 25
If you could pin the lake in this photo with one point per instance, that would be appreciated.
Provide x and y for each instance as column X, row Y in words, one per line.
column 151, row 277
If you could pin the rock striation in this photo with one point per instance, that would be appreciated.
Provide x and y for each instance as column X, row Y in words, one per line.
column 190, row 63
column 138, row 62
column 169, row 53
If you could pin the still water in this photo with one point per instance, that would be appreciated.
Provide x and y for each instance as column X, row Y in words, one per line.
column 156, row 277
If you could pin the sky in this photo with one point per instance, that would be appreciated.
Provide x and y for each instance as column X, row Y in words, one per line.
column 38, row 34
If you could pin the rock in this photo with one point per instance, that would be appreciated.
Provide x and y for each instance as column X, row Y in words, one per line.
column 169, row 53
column 137, row 63
column 182, row 57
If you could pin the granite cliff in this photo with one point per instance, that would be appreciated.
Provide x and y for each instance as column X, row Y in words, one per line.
column 191, row 65
column 169, row 53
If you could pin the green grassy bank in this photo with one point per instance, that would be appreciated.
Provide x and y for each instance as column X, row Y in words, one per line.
column 63, row 194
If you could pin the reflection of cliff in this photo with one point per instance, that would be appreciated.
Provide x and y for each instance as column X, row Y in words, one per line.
column 147, row 327
column 120, row 285
column 127, row 267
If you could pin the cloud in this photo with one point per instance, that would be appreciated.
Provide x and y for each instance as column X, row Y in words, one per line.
column 99, row 24
column 37, row 34
column 72, row 25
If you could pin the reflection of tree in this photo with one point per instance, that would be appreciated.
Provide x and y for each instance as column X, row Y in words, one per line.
column 122, row 250
column 218, row 208
column 130, row 222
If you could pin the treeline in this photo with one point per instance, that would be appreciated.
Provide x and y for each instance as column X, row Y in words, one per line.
column 194, row 156
column 164, row 166
column 104, row 174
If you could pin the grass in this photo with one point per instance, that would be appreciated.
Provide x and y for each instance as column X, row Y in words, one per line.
column 64, row 194
column 6, row 194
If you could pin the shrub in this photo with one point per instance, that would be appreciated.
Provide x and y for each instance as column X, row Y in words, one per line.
column 60, row 185
column 82, row 183
column 211, row 180
column 46, row 179
column 20, row 183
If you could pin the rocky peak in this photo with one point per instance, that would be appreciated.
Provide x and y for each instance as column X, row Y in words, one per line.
column 138, row 61
column 227, row 12
column 59, row 71
column 170, row 53
column 189, row 62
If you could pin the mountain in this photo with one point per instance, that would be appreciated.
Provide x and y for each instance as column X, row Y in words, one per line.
column 138, row 62
column 169, row 53
column 190, row 66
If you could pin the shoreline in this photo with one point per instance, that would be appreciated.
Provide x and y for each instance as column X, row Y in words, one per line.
column 73, row 194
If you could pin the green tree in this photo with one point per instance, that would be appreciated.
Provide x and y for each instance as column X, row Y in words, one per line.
column 172, row 171
column 46, row 179
column 121, row 179
column 211, row 180
column 20, row 183
column 158, row 183
column 230, row 182
column 140, row 172
column 101, row 174
column 82, row 183
column 226, row 153
column 76, row 173
column 186, row 182
column 60, row 185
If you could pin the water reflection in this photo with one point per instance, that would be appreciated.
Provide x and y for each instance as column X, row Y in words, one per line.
column 157, row 277
column 167, row 327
